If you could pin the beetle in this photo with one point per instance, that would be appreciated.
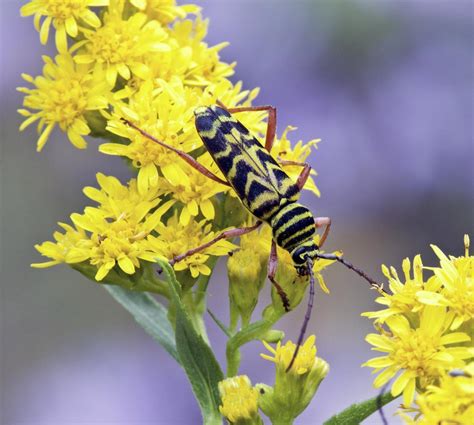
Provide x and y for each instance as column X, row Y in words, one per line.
column 265, row 190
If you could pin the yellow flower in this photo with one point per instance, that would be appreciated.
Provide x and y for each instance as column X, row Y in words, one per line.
column 196, row 195
column 404, row 294
column 283, row 150
column 200, row 63
column 116, row 199
column 114, row 233
column 239, row 401
column 175, row 239
column 121, row 46
column 283, row 354
column 58, row 250
column 454, row 281
column 293, row 389
column 61, row 97
column 449, row 402
column 65, row 15
column 165, row 11
column 419, row 353
column 166, row 114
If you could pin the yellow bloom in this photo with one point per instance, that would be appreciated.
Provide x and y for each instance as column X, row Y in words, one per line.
column 196, row 195
column 283, row 150
column 200, row 64
column 293, row 389
column 283, row 354
column 114, row 233
column 449, row 402
column 419, row 353
column 61, row 97
column 116, row 199
column 404, row 294
column 239, row 401
column 165, row 11
column 121, row 46
column 454, row 281
column 58, row 250
column 65, row 15
column 175, row 239
column 167, row 114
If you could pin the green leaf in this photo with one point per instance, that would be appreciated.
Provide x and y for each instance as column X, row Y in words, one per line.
column 356, row 413
column 196, row 356
column 149, row 314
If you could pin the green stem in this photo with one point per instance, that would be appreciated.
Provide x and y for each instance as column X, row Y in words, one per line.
column 234, row 316
column 253, row 331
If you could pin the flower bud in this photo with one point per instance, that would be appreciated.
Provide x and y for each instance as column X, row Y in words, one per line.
column 295, row 388
column 239, row 401
column 247, row 269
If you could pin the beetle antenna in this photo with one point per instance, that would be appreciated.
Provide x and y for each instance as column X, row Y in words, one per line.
column 375, row 285
column 309, row 308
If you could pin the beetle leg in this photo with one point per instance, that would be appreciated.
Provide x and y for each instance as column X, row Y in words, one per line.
column 271, row 270
column 305, row 172
column 320, row 222
column 271, row 123
column 185, row 156
column 232, row 233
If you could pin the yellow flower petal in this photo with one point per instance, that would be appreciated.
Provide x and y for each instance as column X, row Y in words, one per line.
column 207, row 209
column 71, row 26
column 44, row 33
column 126, row 265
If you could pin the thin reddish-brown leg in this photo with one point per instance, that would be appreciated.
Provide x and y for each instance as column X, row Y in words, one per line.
column 271, row 123
column 323, row 222
column 232, row 233
column 271, row 271
column 307, row 316
column 305, row 172
column 186, row 157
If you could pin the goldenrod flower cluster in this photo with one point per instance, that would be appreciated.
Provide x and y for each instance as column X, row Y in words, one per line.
column 127, row 227
column 145, row 61
column 425, row 329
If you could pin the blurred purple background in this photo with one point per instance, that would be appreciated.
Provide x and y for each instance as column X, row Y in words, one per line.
column 388, row 87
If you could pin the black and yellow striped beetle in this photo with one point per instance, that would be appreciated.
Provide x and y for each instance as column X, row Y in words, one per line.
column 265, row 190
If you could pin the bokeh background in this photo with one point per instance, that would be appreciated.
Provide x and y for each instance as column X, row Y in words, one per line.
column 388, row 87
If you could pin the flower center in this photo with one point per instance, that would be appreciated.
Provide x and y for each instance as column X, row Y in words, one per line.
column 63, row 9
column 64, row 102
column 414, row 352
